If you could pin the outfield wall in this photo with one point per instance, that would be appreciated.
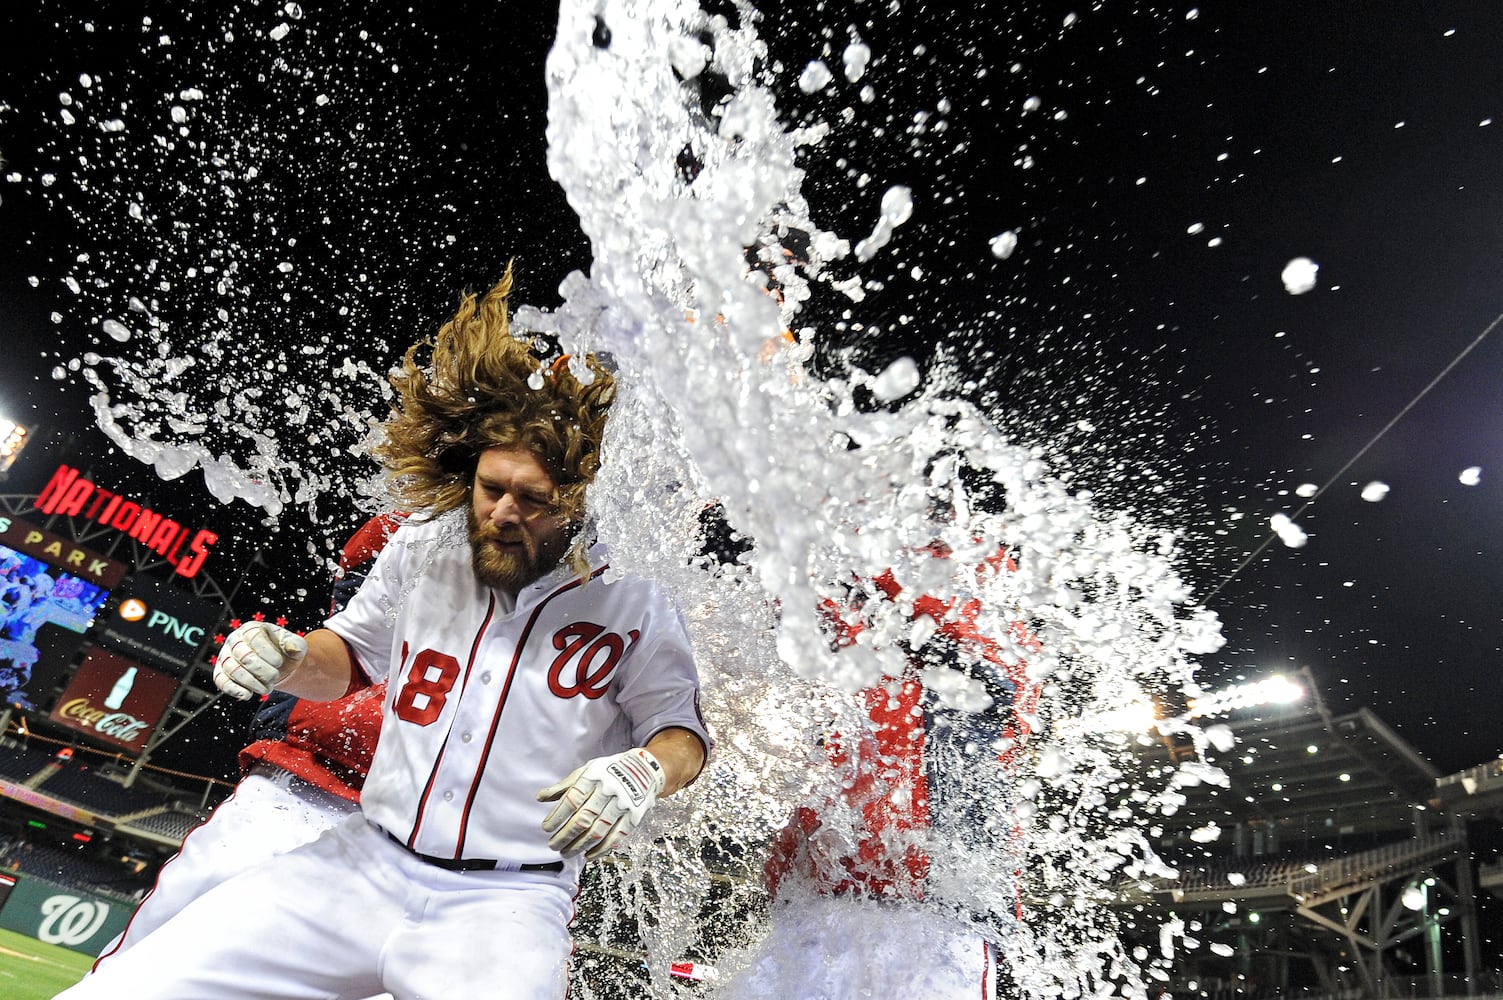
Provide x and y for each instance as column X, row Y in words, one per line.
column 71, row 918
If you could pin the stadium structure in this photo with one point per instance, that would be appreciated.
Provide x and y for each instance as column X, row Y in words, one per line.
column 104, row 647
column 1343, row 865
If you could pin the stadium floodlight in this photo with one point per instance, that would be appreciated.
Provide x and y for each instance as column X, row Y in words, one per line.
column 1413, row 897
column 1134, row 717
column 1274, row 690
column 13, row 437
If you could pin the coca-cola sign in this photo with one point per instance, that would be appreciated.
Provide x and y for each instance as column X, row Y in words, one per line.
column 120, row 725
column 115, row 700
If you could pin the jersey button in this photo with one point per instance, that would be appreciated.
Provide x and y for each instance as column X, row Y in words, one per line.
column 485, row 678
column 448, row 796
column 466, row 737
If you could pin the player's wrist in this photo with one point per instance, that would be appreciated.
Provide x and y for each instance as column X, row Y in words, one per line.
column 286, row 675
column 641, row 768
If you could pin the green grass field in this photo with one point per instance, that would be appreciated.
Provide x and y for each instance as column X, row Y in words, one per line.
column 31, row 970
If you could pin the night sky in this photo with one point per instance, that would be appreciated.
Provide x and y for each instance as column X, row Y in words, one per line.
column 1177, row 158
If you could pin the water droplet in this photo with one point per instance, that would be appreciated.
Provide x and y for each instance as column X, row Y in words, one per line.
column 1299, row 275
column 815, row 77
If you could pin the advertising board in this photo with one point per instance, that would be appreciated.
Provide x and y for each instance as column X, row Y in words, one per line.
column 158, row 624
column 114, row 699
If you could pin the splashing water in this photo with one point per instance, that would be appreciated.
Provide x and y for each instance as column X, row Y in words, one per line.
column 237, row 186
column 705, row 257
column 830, row 491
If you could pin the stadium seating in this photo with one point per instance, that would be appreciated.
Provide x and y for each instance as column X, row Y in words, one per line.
column 73, row 870
column 95, row 792
column 19, row 761
column 167, row 823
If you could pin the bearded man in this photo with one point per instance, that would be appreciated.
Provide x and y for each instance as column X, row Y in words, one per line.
column 517, row 677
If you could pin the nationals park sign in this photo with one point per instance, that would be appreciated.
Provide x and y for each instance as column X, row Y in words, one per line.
column 68, row 493
column 57, row 551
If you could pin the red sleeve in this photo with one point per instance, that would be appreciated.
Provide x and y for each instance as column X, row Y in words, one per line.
column 328, row 743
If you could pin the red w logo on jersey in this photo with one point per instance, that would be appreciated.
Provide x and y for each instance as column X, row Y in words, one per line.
column 595, row 653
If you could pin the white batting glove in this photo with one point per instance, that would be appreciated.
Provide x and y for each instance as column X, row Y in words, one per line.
column 255, row 657
column 601, row 802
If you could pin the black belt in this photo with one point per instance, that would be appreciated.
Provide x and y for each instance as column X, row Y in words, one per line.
column 472, row 864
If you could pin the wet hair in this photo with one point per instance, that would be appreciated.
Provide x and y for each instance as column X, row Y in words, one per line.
column 475, row 394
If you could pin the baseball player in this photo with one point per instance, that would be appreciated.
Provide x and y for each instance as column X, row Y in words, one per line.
column 850, row 877
column 300, row 776
column 536, row 710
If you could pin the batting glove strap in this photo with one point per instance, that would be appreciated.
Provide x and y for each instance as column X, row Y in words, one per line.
column 602, row 802
column 255, row 657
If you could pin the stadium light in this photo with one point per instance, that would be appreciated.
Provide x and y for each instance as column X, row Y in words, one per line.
column 13, row 437
column 1134, row 717
column 1274, row 690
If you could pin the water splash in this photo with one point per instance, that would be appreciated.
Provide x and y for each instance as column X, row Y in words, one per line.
column 708, row 265
column 234, row 187
column 832, row 490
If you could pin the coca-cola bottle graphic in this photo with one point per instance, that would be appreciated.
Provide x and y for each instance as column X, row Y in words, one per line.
column 121, row 690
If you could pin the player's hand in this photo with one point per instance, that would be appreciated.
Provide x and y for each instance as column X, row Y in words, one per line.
column 601, row 802
column 255, row 657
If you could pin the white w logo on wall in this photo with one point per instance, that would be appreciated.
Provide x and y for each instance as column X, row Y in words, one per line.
column 69, row 920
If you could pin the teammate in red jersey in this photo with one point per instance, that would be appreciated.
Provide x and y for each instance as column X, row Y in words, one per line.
column 537, row 709
column 854, row 913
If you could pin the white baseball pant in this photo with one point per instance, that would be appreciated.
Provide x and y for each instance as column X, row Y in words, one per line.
column 270, row 813
column 350, row 915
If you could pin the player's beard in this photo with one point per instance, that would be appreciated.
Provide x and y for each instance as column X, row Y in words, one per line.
column 512, row 569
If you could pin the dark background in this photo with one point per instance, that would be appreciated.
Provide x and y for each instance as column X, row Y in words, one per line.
column 1175, row 379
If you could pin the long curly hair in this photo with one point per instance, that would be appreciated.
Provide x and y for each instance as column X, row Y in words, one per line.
column 484, row 388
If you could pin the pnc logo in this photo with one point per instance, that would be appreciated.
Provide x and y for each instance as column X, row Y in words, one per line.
column 133, row 609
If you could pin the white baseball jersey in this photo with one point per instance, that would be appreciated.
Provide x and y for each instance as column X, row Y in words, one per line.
column 490, row 700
